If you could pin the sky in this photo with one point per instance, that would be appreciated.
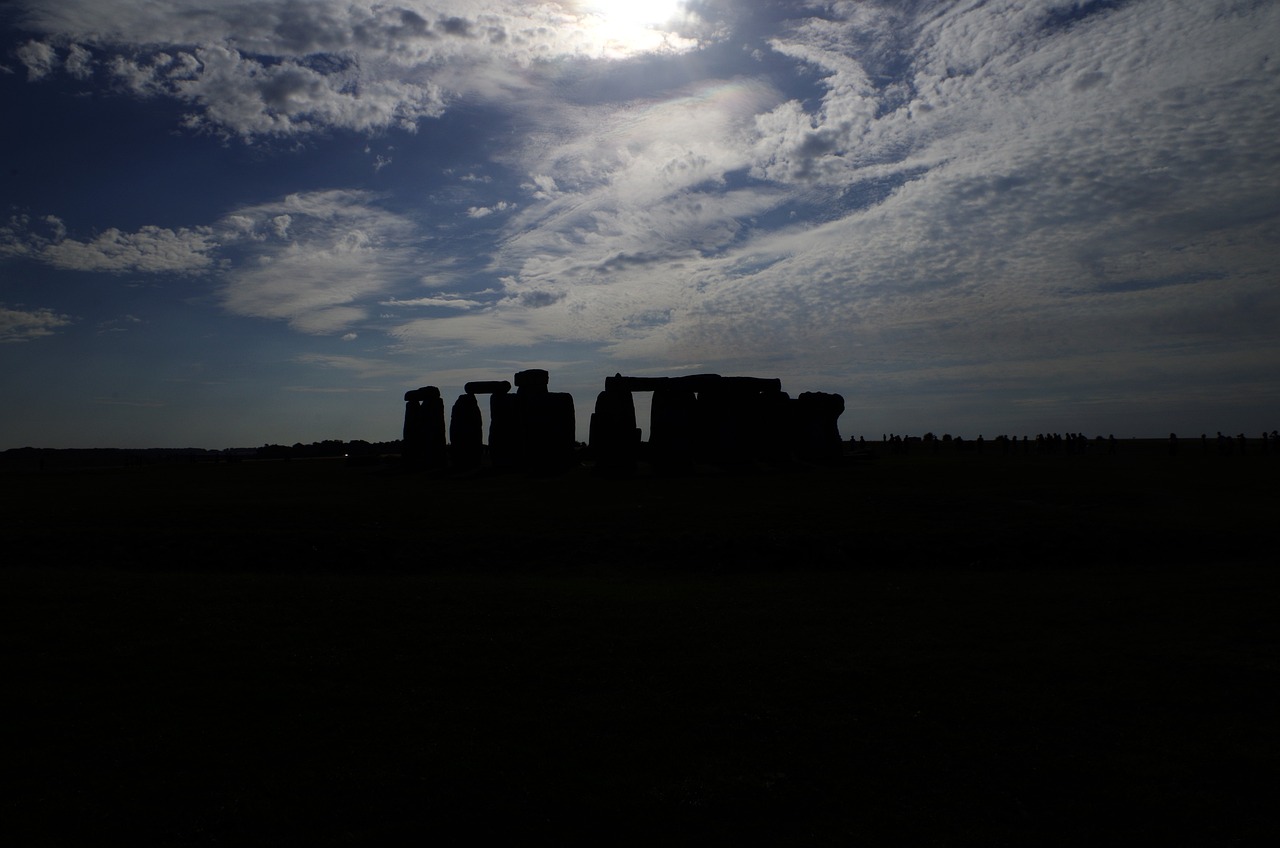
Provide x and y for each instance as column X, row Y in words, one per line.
column 236, row 223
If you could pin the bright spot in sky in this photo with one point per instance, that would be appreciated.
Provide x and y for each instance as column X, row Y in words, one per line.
column 635, row 12
column 633, row 26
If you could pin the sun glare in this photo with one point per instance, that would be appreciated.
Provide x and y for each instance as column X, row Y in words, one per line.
column 642, row 13
column 634, row 26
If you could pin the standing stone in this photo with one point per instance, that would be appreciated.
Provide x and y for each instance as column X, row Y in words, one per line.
column 547, row 425
column 504, row 431
column 673, row 429
column 548, row 430
column 817, row 424
column 773, row 426
column 424, row 434
column 728, row 418
column 534, row 380
column 614, row 438
column 466, row 432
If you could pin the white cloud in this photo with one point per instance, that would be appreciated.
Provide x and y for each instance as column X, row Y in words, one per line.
column 150, row 250
column 990, row 201
column 20, row 325
column 445, row 302
column 281, row 67
column 39, row 58
column 316, row 259
column 927, row 189
column 485, row 211
column 625, row 200
column 479, row 331
column 79, row 62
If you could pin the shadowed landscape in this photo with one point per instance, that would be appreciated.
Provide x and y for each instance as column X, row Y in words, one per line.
column 701, row 601
column 914, row 647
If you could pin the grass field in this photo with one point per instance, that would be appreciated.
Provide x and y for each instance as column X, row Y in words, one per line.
column 921, row 649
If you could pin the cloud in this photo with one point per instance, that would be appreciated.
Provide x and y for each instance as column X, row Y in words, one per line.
column 893, row 191
column 365, row 368
column 39, row 59
column 21, row 325
column 539, row 299
column 484, row 211
column 978, row 182
column 625, row 199
column 315, row 260
column 285, row 67
column 79, row 62
column 496, row 328
column 443, row 302
column 149, row 250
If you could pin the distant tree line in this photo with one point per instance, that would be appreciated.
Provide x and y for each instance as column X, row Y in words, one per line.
column 56, row 459
column 328, row 448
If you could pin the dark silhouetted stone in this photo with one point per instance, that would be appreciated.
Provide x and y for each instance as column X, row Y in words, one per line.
column 547, row 428
column 424, row 442
column 727, row 420
column 533, row 429
column 727, row 414
column 614, row 438
column 466, row 432
column 774, row 413
column 423, row 394
column 487, row 387
column 817, row 425
column 673, row 429
column 532, row 380
column 504, row 430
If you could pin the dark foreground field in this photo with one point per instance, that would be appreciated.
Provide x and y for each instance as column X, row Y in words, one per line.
column 936, row 650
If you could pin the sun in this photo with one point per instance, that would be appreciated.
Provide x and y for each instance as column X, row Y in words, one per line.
column 638, row 13
column 622, row 28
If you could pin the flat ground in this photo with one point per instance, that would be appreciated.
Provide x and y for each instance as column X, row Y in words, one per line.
column 922, row 649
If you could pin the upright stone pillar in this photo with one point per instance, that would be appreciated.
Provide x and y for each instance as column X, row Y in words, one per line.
column 817, row 425
column 504, row 431
column 499, row 417
column 726, row 414
column 615, row 440
column 773, row 427
column 466, row 432
column 673, row 429
column 547, row 425
column 424, row 440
